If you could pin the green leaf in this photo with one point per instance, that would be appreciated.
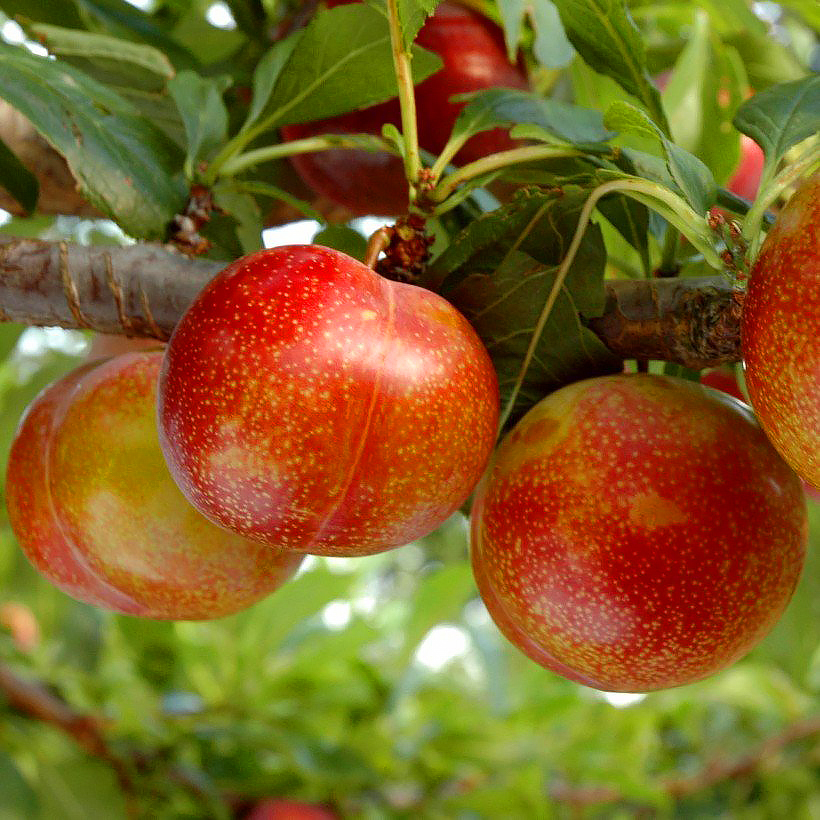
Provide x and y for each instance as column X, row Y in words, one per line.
column 342, row 238
column 501, row 107
column 17, row 179
column 18, row 801
column 781, row 116
column 267, row 72
column 412, row 15
column 62, row 12
column 605, row 35
column 123, row 164
column 80, row 790
column 692, row 177
column 807, row 9
column 243, row 208
column 440, row 597
column 199, row 101
column 122, row 19
column 502, row 292
column 9, row 334
column 344, row 61
column 109, row 60
column 512, row 15
column 551, row 47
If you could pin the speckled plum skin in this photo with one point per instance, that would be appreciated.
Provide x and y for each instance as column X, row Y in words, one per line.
column 97, row 513
column 311, row 404
column 475, row 58
column 637, row 532
column 780, row 332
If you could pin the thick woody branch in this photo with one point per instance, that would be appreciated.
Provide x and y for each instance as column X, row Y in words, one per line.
column 143, row 290
column 692, row 322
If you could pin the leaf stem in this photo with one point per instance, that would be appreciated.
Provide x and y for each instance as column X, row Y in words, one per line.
column 650, row 193
column 407, row 99
column 495, row 162
column 241, row 162
column 770, row 190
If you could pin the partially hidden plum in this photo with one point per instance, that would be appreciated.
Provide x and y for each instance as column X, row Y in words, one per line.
column 97, row 513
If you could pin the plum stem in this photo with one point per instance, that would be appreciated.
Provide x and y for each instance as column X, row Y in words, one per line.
column 367, row 142
column 407, row 99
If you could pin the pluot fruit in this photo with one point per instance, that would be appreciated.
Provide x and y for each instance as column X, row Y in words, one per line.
column 475, row 58
column 311, row 404
column 277, row 808
column 97, row 513
column 637, row 532
column 780, row 332
column 745, row 180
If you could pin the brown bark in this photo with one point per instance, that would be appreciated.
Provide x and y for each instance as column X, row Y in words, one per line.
column 143, row 289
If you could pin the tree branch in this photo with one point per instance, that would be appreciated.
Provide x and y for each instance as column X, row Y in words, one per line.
column 143, row 290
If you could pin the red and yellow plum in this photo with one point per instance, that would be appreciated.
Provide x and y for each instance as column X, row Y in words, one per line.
column 637, row 532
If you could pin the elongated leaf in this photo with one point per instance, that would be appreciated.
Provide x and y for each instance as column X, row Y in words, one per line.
column 412, row 14
column 81, row 789
column 18, row 801
column 199, row 100
column 344, row 61
column 267, row 72
column 781, row 116
column 501, row 107
column 512, row 15
column 605, row 35
column 808, row 9
column 693, row 178
column 110, row 60
column 551, row 47
column 502, row 293
column 122, row 19
column 123, row 164
column 17, row 179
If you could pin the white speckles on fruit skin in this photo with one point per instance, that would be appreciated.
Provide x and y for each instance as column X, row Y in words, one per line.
column 637, row 532
column 337, row 413
column 780, row 332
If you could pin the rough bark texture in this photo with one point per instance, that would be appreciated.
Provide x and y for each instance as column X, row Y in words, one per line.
column 143, row 289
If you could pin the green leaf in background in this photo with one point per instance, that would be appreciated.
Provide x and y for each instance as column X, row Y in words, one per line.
column 81, row 790
column 267, row 72
column 551, row 47
column 781, row 116
column 503, row 107
column 109, row 60
column 123, row 164
column 199, row 101
column 18, row 801
column 498, row 289
column 244, row 210
column 9, row 334
column 605, row 35
column 342, row 238
column 412, row 14
column 17, row 179
column 136, row 71
column 693, row 178
column 512, row 15
column 62, row 12
column 809, row 10
column 344, row 61
column 123, row 19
